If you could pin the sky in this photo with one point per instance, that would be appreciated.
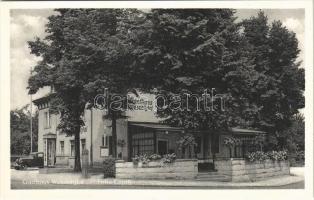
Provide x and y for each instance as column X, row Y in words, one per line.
column 26, row 24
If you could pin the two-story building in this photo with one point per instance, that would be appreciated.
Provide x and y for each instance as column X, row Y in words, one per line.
column 140, row 133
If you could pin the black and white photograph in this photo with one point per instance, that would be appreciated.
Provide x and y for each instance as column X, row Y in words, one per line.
column 176, row 98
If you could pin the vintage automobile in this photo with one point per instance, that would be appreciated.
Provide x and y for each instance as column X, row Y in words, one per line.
column 35, row 159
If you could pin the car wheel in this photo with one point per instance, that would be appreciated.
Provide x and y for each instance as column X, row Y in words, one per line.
column 25, row 167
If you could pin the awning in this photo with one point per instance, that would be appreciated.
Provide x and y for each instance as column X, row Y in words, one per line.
column 241, row 131
column 156, row 126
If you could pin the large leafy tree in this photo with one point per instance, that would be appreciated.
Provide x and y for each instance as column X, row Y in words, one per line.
column 191, row 50
column 253, row 63
column 279, row 86
column 86, row 51
column 20, row 131
column 177, row 51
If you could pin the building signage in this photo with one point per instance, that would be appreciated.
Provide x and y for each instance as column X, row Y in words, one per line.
column 140, row 104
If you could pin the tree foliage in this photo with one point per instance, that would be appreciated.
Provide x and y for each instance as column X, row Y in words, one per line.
column 176, row 51
column 294, row 137
column 280, row 82
column 86, row 50
column 252, row 62
column 20, row 131
column 191, row 50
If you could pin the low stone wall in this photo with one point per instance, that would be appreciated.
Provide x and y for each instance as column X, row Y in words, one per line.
column 240, row 170
column 179, row 169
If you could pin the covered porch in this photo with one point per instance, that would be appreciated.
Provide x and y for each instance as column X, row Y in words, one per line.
column 155, row 138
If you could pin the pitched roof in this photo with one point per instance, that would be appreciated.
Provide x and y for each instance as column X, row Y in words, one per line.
column 43, row 99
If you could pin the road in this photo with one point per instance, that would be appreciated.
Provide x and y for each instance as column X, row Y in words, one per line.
column 17, row 184
column 17, row 177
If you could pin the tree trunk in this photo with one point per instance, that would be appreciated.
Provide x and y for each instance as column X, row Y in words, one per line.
column 77, row 162
column 114, row 135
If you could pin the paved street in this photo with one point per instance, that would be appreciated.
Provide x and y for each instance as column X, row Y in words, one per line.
column 19, row 185
column 31, row 179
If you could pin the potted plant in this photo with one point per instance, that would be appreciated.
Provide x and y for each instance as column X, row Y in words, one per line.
column 187, row 143
column 168, row 158
column 141, row 160
column 232, row 142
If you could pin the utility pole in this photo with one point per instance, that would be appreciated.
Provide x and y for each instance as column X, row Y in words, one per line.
column 91, row 137
column 31, row 119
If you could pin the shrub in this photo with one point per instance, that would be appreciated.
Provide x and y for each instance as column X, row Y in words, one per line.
column 109, row 168
column 167, row 158
column 155, row 157
column 278, row 155
column 257, row 156
column 297, row 159
column 142, row 158
column 262, row 156
column 300, row 156
column 231, row 141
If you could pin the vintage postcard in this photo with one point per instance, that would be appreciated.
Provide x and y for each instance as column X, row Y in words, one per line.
column 199, row 98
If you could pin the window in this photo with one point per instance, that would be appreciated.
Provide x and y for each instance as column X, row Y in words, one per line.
column 103, row 140
column 47, row 119
column 72, row 148
column 62, row 147
column 107, row 143
column 142, row 143
column 248, row 144
column 83, row 143
column 83, row 129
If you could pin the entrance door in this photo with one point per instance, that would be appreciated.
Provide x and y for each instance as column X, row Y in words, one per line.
column 162, row 147
column 51, row 152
